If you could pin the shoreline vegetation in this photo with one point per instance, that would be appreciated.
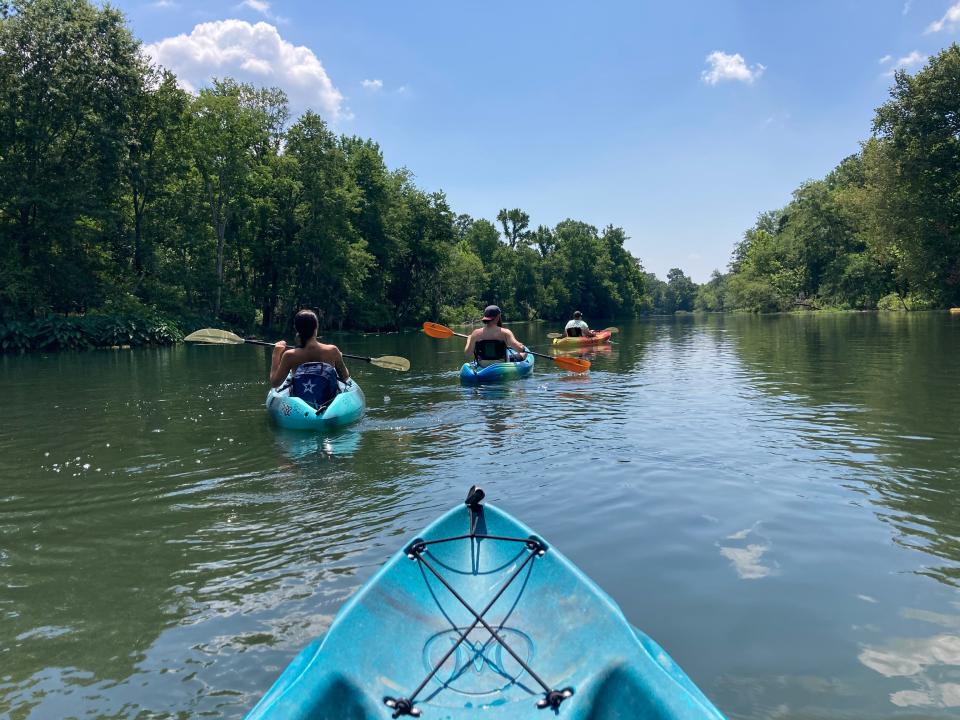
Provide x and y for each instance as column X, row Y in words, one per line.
column 132, row 211
column 123, row 332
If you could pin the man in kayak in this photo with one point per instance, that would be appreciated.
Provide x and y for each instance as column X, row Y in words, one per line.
column 578, row 326
column 310, row 352
column 488, row 345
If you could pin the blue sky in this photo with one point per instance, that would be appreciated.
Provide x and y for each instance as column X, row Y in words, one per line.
column 678, row 121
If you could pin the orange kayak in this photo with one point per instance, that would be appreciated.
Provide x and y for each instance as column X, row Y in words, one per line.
column 601, row 337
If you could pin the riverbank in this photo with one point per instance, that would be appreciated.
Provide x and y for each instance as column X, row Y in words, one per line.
column 123, row 331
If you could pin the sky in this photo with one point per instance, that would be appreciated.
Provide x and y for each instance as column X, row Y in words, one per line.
column 678, row 121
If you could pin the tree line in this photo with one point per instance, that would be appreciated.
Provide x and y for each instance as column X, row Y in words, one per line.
column 122, row 193
column 881, row 230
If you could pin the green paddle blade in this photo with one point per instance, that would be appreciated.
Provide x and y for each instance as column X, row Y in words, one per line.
column 391, row 362
column 215, row 337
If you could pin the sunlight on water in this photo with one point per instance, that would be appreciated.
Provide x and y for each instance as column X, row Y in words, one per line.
column 774, row 500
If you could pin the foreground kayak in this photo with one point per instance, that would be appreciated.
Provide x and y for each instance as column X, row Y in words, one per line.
column 477, row 617
column 473, row 373
column 601, row 337
column 294, row 414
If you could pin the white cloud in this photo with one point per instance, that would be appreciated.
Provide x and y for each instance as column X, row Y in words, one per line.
column 372, row 85
column 730, row 67
column 906, row 6
column 262, row 7
column 252, row 52
column 164, row 4
column 885, row 59
column 950, row 20
column 907, row 62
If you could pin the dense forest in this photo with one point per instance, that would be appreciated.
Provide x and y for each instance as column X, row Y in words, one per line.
column 129, row 206
column 120, row 193
column 881, row 230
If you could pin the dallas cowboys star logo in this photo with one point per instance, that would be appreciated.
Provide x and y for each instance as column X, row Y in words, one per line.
column 308, row 387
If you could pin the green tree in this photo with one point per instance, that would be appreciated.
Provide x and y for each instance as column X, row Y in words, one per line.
column 515, row 223
column 681, row 291
column 484, row 239
column 921, row 122
column 712, row 295
column 68, row 76
column 224, row 134
column 157, row 123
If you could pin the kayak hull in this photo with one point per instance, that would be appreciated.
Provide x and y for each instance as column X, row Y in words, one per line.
column 404, row 622
column 472, row 374
column 601, row 337
column 294, row 414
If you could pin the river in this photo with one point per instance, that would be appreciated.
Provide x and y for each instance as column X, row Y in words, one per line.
column 775, row 500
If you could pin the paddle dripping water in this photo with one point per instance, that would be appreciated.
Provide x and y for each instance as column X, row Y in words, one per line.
column 773, row 499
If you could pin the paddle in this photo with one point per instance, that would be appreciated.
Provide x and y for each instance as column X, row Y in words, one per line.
column 611, row 330
column 436, row 330
column 212, row 336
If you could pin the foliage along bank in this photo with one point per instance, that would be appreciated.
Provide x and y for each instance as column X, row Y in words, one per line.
column 880, row 231
column 119, row 189
column 123, row 196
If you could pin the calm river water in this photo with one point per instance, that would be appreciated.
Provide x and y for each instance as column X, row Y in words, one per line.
column 776, row 500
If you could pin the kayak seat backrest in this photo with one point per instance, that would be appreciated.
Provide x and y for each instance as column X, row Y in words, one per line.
column 315, row 383
column 490, row 350
column 574, row 332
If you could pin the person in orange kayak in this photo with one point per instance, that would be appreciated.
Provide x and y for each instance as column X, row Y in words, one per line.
column 488, row 345
column 316, row 366
column 578, row 326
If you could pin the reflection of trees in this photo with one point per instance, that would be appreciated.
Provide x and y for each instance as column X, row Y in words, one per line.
column 888, row 388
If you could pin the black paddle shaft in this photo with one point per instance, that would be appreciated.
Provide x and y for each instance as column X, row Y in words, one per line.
column 270, row 344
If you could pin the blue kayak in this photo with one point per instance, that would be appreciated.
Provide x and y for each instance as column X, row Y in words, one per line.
column 472, row 373
column 479, row 618
column 294, row 413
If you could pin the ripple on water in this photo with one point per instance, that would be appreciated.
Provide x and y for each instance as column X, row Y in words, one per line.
column 772, row 499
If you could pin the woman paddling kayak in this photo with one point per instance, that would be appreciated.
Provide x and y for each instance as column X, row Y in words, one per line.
column 488, row 345
column 316, row 367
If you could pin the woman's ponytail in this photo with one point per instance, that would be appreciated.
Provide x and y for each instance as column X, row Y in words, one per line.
column 306, row 324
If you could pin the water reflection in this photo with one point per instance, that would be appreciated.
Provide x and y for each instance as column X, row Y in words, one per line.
column 732, row 482
column 745, row 550
column 318, row 445
column 873, row 386
column 930, row 662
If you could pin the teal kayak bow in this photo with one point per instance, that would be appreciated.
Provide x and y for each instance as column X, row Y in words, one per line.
column 478, row 617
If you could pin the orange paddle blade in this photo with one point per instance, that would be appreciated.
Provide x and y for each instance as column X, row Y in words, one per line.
column 435, row 330
column 572, row 364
